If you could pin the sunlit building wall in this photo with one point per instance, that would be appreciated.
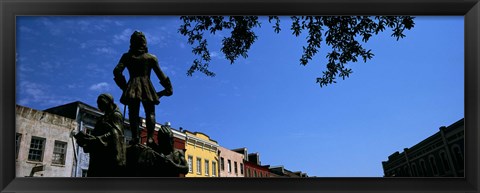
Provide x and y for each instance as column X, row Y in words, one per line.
column 254, row 168
column 231, row 163
column 201, row 155
column 43, row 144
column 251, row 164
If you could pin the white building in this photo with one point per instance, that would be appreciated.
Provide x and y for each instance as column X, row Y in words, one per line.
column 43, row 141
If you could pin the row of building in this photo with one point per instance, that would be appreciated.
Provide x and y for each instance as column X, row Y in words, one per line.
column 45, row 147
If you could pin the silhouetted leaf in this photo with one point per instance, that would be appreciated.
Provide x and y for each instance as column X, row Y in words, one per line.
column 338, row 32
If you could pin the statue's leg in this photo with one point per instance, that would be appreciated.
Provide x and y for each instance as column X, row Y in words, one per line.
column 150, row 120
column 133, row 116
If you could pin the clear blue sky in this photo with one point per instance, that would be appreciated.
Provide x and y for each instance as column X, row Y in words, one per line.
column 268, row 102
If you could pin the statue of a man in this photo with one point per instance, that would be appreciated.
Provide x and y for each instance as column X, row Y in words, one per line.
column 106, row 142
column 139, row 88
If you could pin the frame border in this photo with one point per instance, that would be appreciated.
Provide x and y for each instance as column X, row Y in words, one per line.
column 10, row 9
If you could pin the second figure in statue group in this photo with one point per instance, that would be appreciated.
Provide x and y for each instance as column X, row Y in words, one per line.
column 139, row 88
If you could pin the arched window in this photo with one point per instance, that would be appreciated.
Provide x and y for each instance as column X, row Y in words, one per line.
column 423, row 168
column 399, row 172
column 457, row 153
column 443, row 157
column 433, row 165
column 406, row 172
column 414, row 170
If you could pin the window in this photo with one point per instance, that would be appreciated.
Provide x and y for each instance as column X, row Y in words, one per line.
column 229, row 166
column 241, row 168
column 423, row 168
column 458, row 156
column 222, row 164
column 214, row 168
column 443, row 157
column 59, row 151
column 37, row 146
column 235, row 167
column 248, row 172
column 415, row 170
column 18, row 139
column 405, row 171
column 206, row 167
column 433, row 165
column 255, row 173
column 190, row 164
column 84, row 172
column 199, row 165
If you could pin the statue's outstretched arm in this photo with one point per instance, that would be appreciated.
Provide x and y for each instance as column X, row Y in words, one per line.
column 90, row 143
column 180, row 167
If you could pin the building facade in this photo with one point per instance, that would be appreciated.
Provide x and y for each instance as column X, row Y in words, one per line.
column 254, row 168
column 201, row 155
column 440, row 155
column 43, row 144
column 252, row 164
column 85, row 116
column 231, row 163
column 280, row 171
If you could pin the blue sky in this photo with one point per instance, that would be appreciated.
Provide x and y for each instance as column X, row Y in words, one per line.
column 268, row 102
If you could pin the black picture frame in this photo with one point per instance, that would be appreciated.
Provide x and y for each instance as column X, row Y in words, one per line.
column 9, row 9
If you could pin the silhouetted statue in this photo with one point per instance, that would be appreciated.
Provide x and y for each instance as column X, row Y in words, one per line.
column 160, row 160
column 139, row 88
column 176, row 163
column 151, row 160
column 106, row 142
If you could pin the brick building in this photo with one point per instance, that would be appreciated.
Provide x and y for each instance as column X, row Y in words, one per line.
column 440, row 155
column 43, row 141
column 254, row 168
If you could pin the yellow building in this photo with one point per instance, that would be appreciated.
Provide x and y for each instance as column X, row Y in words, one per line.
column 201, row 155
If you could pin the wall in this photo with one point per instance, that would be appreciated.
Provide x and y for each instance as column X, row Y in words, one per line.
column 30, row 122
column 199, row 145
column 227, row 154
column 254, row 170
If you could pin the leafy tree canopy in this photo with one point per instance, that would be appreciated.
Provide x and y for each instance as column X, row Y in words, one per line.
column 341, row 33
